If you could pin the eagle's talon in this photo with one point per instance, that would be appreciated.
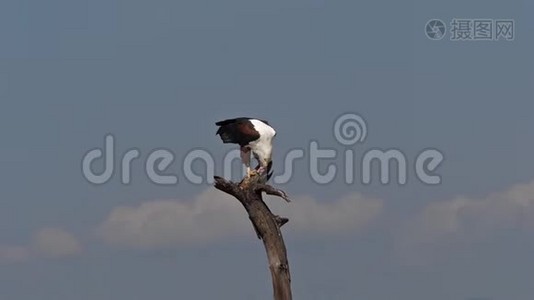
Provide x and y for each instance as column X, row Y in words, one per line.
column 251, row 173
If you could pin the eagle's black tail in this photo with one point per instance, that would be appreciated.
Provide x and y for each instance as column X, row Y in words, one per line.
column 269, row 175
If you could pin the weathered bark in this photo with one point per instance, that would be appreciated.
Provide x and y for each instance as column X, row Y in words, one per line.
column 267, row 227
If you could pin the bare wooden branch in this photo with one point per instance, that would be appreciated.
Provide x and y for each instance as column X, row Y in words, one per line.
column 267, row 227
column 269, row 190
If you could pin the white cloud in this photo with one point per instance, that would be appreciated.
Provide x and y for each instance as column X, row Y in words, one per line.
column 214, row 215
column 445, row 224
column 55, row 243
column 13, row 254
column 162, row 223
column 46, row 242
column 308, row 215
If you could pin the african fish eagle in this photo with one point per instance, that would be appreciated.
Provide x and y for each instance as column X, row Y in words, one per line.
column 252, row 135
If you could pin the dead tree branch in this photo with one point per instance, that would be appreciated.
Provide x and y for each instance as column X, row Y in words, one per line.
column 267, row 227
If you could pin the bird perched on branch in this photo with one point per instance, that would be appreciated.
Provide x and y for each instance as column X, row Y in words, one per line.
column 252, row 135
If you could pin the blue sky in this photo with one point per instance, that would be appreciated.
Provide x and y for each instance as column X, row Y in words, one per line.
column 159, row 74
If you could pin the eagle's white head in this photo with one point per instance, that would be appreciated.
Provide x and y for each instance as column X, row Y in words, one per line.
column 262, row 148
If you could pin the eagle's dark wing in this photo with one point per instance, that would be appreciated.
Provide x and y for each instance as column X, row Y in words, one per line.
column 238, row 131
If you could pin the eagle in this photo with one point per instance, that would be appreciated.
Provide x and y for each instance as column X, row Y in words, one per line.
column 253, row 136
